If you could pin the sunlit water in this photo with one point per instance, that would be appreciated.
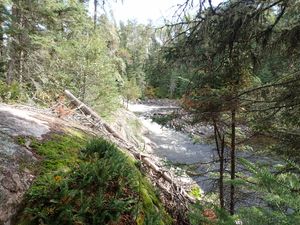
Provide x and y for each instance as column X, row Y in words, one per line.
column 178, row 147
column 174, row 146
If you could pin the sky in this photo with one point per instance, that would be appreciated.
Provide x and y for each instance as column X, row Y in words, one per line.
column 145, row 10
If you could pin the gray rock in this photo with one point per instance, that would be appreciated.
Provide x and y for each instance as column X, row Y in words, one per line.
column 15, row 160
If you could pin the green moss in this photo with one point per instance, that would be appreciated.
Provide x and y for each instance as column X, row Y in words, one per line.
column 75, row 133
column 97, row 185
column 59, row 152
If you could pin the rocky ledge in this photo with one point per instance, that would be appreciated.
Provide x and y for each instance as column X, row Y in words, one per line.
column 18, row 125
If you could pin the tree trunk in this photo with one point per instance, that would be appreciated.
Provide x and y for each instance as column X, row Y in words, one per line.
column 222, row 204
column 14, row 44
column 220, row 149
column 21, row 66
column 83, row 94
column 24, row 41
column 95, row 13
column 232, row 160
column 2, row 64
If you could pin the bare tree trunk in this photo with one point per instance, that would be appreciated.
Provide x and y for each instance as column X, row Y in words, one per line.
column 2, row 50
column 21, row 66
column 220, row 149
column 95, row 13
column 232, row 159
column 222, row 204
column 14, row 44
column 83, row 94
column 24, row 41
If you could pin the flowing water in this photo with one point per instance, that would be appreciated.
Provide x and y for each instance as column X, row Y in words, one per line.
column 178, row 148
column 175, row 146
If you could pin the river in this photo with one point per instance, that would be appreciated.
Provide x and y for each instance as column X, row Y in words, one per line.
column 174, row 146
column 178, row 148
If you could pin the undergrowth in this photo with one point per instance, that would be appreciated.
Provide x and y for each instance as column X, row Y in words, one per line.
column 98, row 184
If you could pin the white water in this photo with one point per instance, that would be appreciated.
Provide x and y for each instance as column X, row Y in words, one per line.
column 172, row 145
column 178, row 147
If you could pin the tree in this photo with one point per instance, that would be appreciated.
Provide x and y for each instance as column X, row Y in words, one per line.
column 3, row 15
column 222, row 46
column 280, row 189
column 53, row 45
column 135, row 47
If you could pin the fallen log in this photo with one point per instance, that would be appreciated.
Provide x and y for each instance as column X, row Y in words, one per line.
column 81, row 105
column 88, row 111
column 145, row 159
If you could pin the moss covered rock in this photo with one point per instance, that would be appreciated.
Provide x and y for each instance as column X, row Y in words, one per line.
column 51, row 173
column 97, row 185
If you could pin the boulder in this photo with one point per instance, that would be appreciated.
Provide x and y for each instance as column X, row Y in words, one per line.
column 17, row 160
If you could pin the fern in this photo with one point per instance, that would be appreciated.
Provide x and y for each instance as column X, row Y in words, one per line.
column 105, row 187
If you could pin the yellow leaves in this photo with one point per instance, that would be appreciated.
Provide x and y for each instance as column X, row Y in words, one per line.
column 57, row 178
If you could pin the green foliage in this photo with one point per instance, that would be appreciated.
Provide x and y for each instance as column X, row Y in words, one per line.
column 279, row 190
column 62, row 49
column 131, row 91
column 150, row 92
column 240, row 56
column 83, row 64
column 163, row 119
column 196, row 192
column 197, row 139
column 10, row 93
column 135, row 48
column 200, row 214
column 167, row 80
column 101, row 186
column 59, row 49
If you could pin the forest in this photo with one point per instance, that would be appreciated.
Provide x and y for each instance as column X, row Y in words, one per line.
column 232, row 66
